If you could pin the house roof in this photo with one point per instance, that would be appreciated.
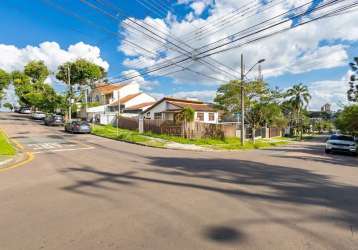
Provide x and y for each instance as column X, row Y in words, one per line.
column 109, row 88
column 182, row 103
column 125, row 99
column 141, row 105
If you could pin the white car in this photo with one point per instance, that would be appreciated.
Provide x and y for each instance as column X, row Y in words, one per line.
column 25, row 111
column 341, row 143
column 38, row 115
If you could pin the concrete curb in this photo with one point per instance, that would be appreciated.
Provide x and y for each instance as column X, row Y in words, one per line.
column 20, row 157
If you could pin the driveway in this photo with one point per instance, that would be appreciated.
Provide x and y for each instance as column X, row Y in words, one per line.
column 86, row 192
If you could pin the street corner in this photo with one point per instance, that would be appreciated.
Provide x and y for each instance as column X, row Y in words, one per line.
column 51, row 143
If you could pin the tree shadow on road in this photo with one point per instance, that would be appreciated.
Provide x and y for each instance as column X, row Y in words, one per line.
column 313, row 153
column 290, row 185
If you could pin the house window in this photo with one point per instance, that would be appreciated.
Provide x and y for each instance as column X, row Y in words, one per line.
column 211, row 116
column 97, row 98
column 200, row 116
column 157, row 115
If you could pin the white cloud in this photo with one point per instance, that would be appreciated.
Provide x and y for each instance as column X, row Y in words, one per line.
column 329, row 91
column 14, row 58
column 295, row 51
column 145, row 84
column 202, row 95
column 199, row 6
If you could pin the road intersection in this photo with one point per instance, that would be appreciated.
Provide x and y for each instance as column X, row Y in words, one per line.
column 87, row 192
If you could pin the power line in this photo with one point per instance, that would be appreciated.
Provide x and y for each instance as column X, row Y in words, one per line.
column 259, row 38
column 148, row 29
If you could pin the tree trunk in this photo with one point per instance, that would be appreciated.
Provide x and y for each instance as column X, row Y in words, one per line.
column 253, row 134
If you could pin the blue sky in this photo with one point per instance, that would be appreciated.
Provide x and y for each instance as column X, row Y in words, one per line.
column 24, row 24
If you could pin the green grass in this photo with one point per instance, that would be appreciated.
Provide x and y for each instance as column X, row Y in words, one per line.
column 145, row 139
column 109, row 131
column 260, row 143
column 6, row 148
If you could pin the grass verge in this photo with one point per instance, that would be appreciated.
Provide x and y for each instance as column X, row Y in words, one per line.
column 126, row 135
column 151, row 139
column 6, row 148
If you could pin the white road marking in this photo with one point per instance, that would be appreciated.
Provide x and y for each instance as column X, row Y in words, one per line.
column 39, row 146
column 61, row 150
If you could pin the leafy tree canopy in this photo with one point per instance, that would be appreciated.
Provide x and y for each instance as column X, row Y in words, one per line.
column 228, row 96
column 81, row 71
column 36, row 71
column 8, row 105
column 4, row 81
column 347, row 120
column 352, row 93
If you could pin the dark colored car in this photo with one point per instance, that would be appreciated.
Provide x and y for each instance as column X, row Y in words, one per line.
column 341, row 143
column 53, row 120
column 17, row 109
column 78, row 127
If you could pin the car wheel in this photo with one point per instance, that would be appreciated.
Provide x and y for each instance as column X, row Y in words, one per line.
column 328, row 151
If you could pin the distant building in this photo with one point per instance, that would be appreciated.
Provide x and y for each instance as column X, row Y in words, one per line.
column 131, row 100
column 326, row 108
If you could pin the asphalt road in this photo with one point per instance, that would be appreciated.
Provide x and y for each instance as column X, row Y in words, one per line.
column 85, row 192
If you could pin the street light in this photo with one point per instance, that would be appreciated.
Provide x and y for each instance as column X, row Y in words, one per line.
column 243, row 74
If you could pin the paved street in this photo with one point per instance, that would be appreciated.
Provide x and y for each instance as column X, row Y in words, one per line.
column 86, row 192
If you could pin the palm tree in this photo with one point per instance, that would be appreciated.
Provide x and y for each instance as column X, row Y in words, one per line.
column 299, row 97
column 186, row 116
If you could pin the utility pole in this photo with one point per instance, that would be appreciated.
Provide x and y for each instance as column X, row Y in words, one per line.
column 119, row 111
column 242, row 134
column 70, row 91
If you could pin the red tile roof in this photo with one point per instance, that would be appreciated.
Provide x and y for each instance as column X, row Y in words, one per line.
column 182, row 103
column 141, row 105
column 109, row 88
column 125, row 99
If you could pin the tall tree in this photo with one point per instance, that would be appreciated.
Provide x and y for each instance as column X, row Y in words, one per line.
column 347, row 120
column 298, row 99
column 255, row 116
column 31, row 89
column 4, row 81
column 352, row 93
column 186, row 116
column 36, row 71
column 80, row 73
column 228, row 96
column 22, row 85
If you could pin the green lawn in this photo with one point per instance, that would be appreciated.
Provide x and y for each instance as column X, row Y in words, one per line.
column 6, row 148
column 110, row 132
column 150, row 139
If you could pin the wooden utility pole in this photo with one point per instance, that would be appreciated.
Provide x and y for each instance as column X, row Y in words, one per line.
column 119, row 111
column 242, row 134
column 70, row 92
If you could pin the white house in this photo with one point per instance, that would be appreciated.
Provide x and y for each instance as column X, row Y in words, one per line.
column 128, row 96
column 167, row 108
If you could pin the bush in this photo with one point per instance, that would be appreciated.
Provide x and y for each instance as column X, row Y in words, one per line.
column 347, row 120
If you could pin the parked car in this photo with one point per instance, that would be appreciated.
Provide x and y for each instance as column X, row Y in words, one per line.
column 17, row 109
column 38, row 115
column 53, row 120
column 341, row 143
column 25, row 110
column 76, row 126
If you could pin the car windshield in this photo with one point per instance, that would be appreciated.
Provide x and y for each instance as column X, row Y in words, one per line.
column 342, row 137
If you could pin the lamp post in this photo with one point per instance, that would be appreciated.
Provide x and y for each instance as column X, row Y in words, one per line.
column 242, row 88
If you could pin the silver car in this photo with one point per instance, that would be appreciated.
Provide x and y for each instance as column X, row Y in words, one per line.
column 78, row 127
column 38, row 115
column 341, row 143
